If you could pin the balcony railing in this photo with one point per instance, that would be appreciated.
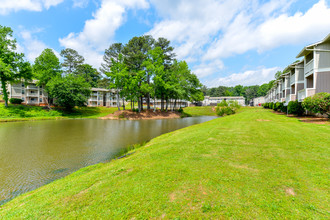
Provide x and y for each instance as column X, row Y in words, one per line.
column 293, row 97
column 32, row 95
column 32, row 87
column 310, row 92
column 301, row 95
column 309, row 67
column 292, row 79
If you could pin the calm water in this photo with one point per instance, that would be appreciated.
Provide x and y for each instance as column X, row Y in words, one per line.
column 33, row 154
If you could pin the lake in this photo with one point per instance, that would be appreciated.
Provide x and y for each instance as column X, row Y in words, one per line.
column 35, row 153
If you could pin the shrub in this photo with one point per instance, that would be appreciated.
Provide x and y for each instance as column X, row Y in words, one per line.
column 15, row 101
column 227, row 108
column 180, row 110
column 295, row 107
column 277, row 106
column 319, row 103
column 283, row 108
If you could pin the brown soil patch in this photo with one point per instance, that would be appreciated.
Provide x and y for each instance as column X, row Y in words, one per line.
column 290, row 191
column 262, row 120
column 145, row 115
column 308, row 119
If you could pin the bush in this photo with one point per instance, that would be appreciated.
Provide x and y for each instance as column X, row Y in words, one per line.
column 180, row 110
column 295, row 107
column 283, row 108
column 227, row 108
column 277, row 106
column 15, row 101
column 319, row 103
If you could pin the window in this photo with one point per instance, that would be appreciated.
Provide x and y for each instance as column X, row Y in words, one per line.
column 23, row 92
column 40, row 92
column 32, row 99
column 22, row 84
column 23, row 99
column 40, row 100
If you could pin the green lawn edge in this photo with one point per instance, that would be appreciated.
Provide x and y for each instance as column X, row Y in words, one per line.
column 254, row 164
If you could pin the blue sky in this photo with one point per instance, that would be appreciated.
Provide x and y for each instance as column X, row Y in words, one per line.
column 225, row 42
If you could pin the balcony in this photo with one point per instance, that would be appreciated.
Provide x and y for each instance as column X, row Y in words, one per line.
column 293, row 97
column 32, row 87
column 309, row 67
column 32, row 95
column 310, row 92
column 301, row 95
column 292, row 79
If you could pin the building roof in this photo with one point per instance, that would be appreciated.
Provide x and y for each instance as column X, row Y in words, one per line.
column 304, row 51
column 225, row 97
column 292, row 66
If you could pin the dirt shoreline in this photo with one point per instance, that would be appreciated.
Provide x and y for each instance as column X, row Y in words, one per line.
column 144, row 115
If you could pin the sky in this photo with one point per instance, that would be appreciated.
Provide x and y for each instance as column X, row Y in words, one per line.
column 225, row 42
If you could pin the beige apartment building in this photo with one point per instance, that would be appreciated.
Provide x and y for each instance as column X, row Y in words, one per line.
column 304, row 78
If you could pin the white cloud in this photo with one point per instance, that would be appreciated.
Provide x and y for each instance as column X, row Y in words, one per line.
column 80, row 3
column 7, row 6
column 31, row 46
column 98, row 32
column 247, row 78
column 244, row 35
column 208, row 68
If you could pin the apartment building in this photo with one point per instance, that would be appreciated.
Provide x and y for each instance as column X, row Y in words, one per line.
column 213, row 101
column 258, row 101
column 29, row 92
column 103, row 97
column 304, row 78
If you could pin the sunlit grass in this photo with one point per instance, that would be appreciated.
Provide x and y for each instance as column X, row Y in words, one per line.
column 200, row 111
column 254, row 164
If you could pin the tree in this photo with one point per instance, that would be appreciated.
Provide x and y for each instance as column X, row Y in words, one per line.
column 238, row 90
column 71, row 60
column 263, row 89
column 47, row 67
column 114, row 68
column 12, row 65
column 278, row 74
column 136, row 52
column 70, row 91
column 90, row 74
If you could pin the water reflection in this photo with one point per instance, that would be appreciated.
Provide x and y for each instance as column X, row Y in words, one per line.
column 33, row 154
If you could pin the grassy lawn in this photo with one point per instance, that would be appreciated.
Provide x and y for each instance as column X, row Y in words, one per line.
column 24, row 112
column 200, row 111
column 255, row 165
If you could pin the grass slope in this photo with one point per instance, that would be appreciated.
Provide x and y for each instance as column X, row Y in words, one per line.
column 25, row 113
column 200, row 111
column 254, row 164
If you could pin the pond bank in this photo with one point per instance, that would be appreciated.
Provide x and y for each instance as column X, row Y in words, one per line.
column 255, row 163
column 144, row 115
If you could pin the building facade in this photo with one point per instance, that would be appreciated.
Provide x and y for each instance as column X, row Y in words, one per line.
column 213, row 101
column 306, row 77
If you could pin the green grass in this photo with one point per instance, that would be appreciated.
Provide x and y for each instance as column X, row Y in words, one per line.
column 252, row 165
column 25, row 113
column 200, row 111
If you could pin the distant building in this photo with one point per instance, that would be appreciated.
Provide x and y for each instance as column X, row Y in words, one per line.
column 213, row 101
column 258, row 101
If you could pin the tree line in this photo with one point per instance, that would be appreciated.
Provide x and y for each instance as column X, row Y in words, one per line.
column 141, row 71
column 248, row 92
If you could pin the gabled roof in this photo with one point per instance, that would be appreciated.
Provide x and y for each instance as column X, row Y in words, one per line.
column 305, row 49
column 292, row 66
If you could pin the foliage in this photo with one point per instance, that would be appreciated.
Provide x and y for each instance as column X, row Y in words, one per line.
column 319, row 103
column 15, row 101
column 227, row 108
column 47, row 67
column 295, row 107
column 214, row 170
column 90, row 74
column 12, row 65
column 72, row 60
column 69, row 91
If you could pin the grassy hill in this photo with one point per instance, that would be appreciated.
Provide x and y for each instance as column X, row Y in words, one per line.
column 254, row 164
